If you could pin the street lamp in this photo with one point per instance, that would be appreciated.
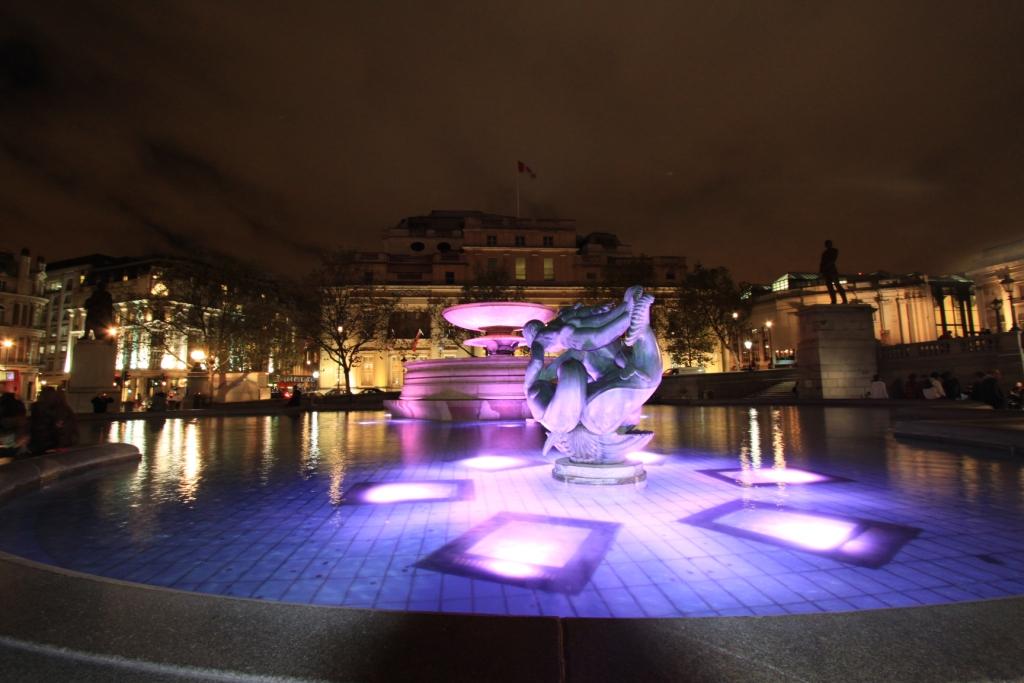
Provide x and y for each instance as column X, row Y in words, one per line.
column 771, row 348
column 747, row 344
column 736, row 333
column 1007, row 283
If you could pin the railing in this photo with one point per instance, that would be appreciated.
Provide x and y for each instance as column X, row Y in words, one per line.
column 940, row 347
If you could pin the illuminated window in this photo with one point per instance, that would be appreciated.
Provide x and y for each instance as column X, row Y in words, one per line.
column 549, row 269
column 521, row 268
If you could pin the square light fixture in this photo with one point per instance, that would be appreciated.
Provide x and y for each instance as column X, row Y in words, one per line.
column 864, row 542
column 382, row 493
column 555, row 554
column 771, row 476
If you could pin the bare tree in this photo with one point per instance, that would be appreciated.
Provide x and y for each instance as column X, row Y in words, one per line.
column 345, row 317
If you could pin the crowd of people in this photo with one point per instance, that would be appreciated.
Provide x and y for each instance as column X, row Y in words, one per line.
column 986, row 387
column 49, row 426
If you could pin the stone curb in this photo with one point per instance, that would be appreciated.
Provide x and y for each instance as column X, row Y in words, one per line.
column 22, row 476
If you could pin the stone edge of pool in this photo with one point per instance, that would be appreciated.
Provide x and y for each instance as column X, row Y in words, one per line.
column 26, row 475
column 59, row 624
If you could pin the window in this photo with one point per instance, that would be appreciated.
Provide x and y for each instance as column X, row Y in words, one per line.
column 520, row 240
column 368, row 276
column 549, row 241
column 492, row 265
column 591, row 276
column 449, row 277
column 549, row 268
column 492, row 240
column 416, row 246
column 670, row 275
column 520, row 268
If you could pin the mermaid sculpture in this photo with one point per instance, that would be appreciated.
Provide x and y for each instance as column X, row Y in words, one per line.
column 589, row 397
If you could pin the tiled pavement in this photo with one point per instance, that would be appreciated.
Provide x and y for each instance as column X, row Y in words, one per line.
column 256, row 507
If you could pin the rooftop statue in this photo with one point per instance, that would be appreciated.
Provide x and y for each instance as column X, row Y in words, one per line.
column 589, row 397
column 99, row 313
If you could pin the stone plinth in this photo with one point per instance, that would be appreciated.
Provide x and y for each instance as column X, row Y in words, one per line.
column 489, row 388
column 92, row 373
column 837, row 351
column 596, row 474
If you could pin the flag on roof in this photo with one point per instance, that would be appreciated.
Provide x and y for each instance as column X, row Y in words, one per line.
column 523, row 168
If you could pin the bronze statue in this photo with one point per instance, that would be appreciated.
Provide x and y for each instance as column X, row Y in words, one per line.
column 99, row 314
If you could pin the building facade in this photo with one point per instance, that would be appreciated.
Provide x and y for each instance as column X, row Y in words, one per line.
column 428, row 261
column 22, row 283
column 909, row 309
column 998, row 274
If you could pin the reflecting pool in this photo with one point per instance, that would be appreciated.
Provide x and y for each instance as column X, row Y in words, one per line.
column 746, row 511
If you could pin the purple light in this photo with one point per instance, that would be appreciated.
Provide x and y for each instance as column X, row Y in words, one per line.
column 772, row 476
column 805, row 530
column 531, row 543
column 494, row 463
column 547, row 553
column 409, row 492
column 864, row 542
column 646, row 457
column 395, row 493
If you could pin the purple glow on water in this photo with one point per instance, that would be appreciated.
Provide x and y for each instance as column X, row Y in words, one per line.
column 771, row 476
column 799, row 529
column 554, row 554
column 866, row 542
column 532, row 543
column 646, row 457
column 372, row 493
column 495, row 463
column 394, row 493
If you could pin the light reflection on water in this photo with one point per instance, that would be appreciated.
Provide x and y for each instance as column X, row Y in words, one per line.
column 241, row 488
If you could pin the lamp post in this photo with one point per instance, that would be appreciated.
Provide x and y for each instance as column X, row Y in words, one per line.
column 736, row 332
column 1007, row 283
column 747, row 344
column 771, row 348
column 997, row 308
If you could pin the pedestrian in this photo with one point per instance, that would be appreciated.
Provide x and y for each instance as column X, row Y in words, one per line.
column 100, row 402
column 52, row 424
column 830, row 272
column 12, row 423
column 951, row 385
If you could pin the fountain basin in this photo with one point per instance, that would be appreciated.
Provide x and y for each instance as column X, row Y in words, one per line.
column 487, row 388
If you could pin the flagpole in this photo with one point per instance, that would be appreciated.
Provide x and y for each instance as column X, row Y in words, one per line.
column 517, row 190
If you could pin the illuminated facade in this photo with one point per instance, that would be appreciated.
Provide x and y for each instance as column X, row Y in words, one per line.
column 22, row 282
column 909, row 309
column 998, row 273
column 431, row 258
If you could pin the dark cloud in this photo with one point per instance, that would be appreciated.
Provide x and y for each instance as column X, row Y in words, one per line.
column 726, row 131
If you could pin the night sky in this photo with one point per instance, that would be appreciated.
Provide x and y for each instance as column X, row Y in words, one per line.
column 732, row 132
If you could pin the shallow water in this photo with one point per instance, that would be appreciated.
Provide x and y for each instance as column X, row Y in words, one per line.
column 284, row 508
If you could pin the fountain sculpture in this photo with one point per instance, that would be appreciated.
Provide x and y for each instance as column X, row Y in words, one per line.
column 589, row 398
column 474, row 388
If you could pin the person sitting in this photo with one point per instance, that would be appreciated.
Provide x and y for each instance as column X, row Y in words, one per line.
column 933, row 388
column 52, row 424
column 877, row 389
column 951, row 385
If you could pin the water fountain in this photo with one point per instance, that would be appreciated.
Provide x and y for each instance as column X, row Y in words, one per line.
column 589, row 397
column 474, row 388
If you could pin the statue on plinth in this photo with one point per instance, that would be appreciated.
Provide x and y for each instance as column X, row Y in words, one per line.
column 589, row 398
column 99, row 314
